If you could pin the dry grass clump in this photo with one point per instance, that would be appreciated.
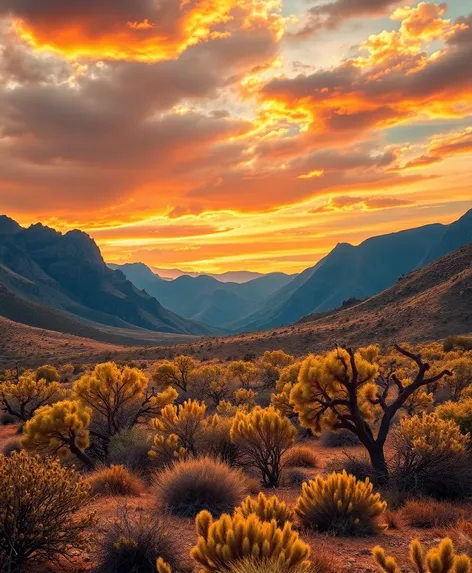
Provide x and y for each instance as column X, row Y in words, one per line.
column 13, row 445
column 300, row 457
column 339, row 439
column 190, row 486
column 272, row 566
column 130, row 448
column 294, row 477
column 115, row 480
column 427, row 513
column 134, row 543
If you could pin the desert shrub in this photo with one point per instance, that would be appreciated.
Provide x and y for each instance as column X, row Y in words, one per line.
column 359, row 467
column 457, row 341
column 66, row 372
column 134, row 543
column 294, row 476
column 427, row 513
column 340, row 504
column 339, row 439
column 60, row 429
column 431, row 458
column 38, row 502
column 130, row 448
column 214, row 439
column 271, row 566
column 115, row 480
column 266, row 509
column 458, row 412
column 13, row 445
column 300, row 457
column 262, row 437
column 245, row 397
column 177, row 430
column 48, row 373
column 177, row 373
column 190, row 486
column 223, row 543
column 441, row 559
column 23, row 398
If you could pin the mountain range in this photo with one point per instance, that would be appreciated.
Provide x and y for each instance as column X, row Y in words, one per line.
column 60, row 282
column 204, row 298
column 67, row 274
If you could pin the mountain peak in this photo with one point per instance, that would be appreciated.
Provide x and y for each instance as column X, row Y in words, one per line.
column 9, row 226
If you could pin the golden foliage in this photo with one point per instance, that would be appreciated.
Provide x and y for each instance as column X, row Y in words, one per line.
column 48, row 373
column 326, row 377
column 429, row 433
column 162, row 566
column 176, row 373
column 340, row 504
column 266, row 509
column 458, row 412
column 177, row 428
column 263, row 436
column 440, row 559
column 38, row 504
column 245, row 373
column 59, row 429
column 21, row 399
column 228, row 540
column 245, row 397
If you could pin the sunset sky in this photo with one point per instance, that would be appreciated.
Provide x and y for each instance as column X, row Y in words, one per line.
column 215, row 135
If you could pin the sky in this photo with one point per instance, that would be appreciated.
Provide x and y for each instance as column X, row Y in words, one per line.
column 217, row 135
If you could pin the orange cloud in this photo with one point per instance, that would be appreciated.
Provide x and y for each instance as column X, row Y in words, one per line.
column 443, row 146
column 129, row 30
column 348, row 202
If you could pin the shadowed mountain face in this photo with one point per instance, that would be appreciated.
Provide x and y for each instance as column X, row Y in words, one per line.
column 67, row 273
column 204, row 298
column 359, row 272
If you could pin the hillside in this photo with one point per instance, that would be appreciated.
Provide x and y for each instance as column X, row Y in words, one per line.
column 204, row 298
column 428, row 304
column 67, row 273
column 359, row 271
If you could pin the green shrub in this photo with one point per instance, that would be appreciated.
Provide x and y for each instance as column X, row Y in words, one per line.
column 189, row 486
column 39, row 500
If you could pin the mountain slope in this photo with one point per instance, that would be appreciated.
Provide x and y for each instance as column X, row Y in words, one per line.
column 67, row 273
column 204, row 298
column 359, row 272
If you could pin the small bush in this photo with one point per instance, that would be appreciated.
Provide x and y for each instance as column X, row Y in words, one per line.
column 115, row 480
column 48, row 373
column 294, row 476
column 130, row 448
column 457, row 341
column 190, row 486
column 440, row 559
column 340, row 439
column 39, row 496
column 13, row 445
column 300, row 457
column 271, row 566
column 360, row 467
column 134, row 543
column 266, row 509
column 340, row 504
column 225, row 542
column 459, row 412
column 214, row 440
column 431, row 458
column 426, row 513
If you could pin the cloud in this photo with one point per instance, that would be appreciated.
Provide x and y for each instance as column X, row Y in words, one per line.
column 443, row 146
column 348, row 202
column 391, row 81
column 332, row 15
column 126, row 29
